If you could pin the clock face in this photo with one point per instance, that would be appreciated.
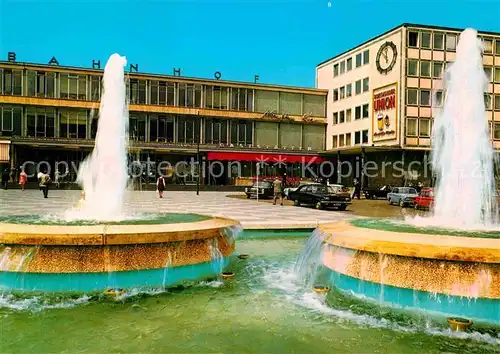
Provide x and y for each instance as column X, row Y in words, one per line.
column 386, row 57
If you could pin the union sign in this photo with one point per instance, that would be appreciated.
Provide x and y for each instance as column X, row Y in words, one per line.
column 385, row 113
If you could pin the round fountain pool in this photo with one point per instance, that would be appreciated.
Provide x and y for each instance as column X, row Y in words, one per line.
column 148, row 251
column 407, row 266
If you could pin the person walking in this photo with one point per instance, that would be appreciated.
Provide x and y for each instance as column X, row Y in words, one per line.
column 357, row 190
column 23, row 178
column 5, row 178
column 278, row 191
column 160, row 186
column 44, row 184
column 57, row 178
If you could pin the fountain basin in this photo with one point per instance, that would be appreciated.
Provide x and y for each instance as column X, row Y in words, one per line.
column 450, row 274
column 97, row 257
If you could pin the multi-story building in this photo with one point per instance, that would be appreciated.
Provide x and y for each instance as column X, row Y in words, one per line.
column 50, row 113
column 384, row 94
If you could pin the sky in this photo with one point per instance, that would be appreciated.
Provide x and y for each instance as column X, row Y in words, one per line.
column 281, row 41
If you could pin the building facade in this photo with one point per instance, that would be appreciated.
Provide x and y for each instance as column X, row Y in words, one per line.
column 384, row 94
column 50, row 113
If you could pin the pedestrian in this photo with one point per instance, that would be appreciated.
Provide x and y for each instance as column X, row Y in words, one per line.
column 160, row 185
column 5, row 178
column 80, row 202
column 57, row 178
column 44, row 184
column 39, row 177
column 23, row 177
column 278, row 191
column 357, row 189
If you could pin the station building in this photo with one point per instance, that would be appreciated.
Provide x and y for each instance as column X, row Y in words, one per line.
column 384, row 94
column 49, row 112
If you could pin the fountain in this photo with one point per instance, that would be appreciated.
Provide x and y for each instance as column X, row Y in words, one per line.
column 448, row 263
column 99, row 245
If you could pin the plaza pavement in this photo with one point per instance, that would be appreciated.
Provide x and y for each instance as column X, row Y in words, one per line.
column 250, row 213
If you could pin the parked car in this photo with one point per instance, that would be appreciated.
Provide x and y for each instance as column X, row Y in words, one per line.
column 376, row 193
column 404, row 196
column 264, row 188
column 287, row 190
column 321, row 196
column 425, row 199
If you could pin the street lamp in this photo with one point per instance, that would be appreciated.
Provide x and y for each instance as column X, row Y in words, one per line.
column 198, row 167
column 257, row 180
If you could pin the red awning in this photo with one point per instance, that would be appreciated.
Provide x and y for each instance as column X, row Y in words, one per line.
column 260, row 157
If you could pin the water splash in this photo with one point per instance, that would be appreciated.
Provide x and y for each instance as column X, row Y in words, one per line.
column 103, row 175
column 216, row 256
column 166, row 268
column 310, row 258
column 462, row 153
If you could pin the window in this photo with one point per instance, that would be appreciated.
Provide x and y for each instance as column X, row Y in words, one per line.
column 41, row 84
column 348, row 90
column 365, row 111
column 348, row 139
column 437, row 69
column 364, row 135
column 188, row 130
column 425, row 68
column 438, row 40
column 161, row 128
column 349, row 64
column 487, row 101
column 137, row 126
column 357, row 113
column 488, row 71
column 335, row 95
column 412, row 68
column 341, row 140
column 424, row 128
column 342, row 92
column 348, row 114
column 72, row 124
column 334, row 141
column 413, row 39
column 488, row 46
column 95, row 87
column 11, row 82
column 336, row 70
column 73, row 87
column 216, row 97
column 411, row 127
column 190, row 95
column 358, row 87
column 497, row 102
column 496, row 131
column 357, row 138
column 41, row 122
column 241, row 99
column 342, row 67
column 366, row 57
column 497, row 47
column 425, row 40
column 335, row 117
column 241, row 132
column 341, row 117
column 366, row 84
column 10, row 120
column 425, row 98
column 451, row 42
column 439, row 98
column 358, row 60
column 137, row 91
column 497, row 74
column 412, row 96
column 215, row 131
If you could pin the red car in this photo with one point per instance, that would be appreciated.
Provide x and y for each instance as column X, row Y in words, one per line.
column 425, row 199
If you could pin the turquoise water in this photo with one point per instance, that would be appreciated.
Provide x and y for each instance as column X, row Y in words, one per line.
column 138, row 219
column 399, row 225
column 263, row 309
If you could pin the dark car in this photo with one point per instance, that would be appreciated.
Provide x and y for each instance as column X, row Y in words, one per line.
column 376, row 193
column 321, row 196
column 264, row 188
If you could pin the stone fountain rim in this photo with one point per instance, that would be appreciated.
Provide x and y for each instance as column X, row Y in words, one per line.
column 432, row 246
column 101, row 235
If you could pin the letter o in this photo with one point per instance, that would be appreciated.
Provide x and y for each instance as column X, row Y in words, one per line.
column 217, row 75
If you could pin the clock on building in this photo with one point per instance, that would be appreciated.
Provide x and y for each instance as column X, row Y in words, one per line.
column 386, row 57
